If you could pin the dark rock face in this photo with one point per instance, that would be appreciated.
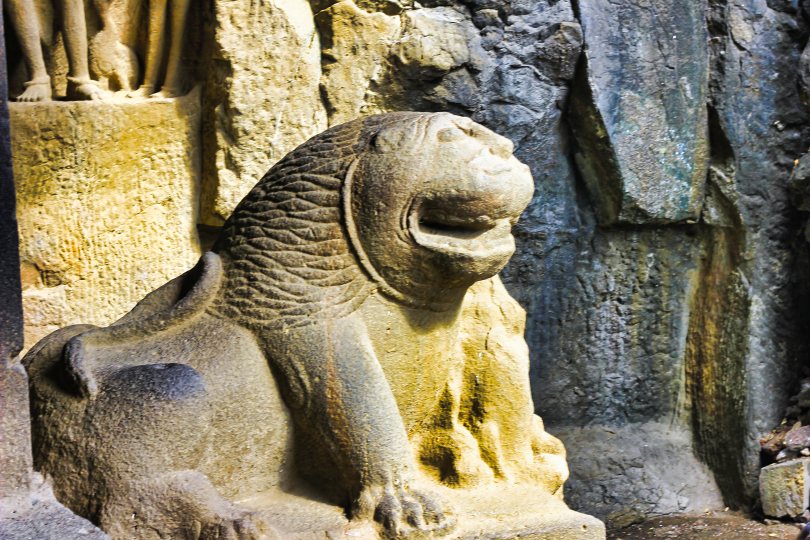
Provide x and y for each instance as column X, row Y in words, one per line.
column 760, row 129
column 639, row 109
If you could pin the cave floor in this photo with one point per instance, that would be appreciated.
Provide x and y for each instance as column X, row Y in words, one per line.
column 715, row 525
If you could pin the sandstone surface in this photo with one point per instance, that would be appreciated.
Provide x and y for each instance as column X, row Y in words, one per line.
column 107, row 202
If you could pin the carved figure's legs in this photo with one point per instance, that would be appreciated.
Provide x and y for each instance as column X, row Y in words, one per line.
column 80, row 86
column 158, row 30
column 339, row 395
column 156, row 42
column 173, row 84
column 24, row 18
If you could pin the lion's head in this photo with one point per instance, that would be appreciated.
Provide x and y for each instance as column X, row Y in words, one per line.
column 416, row 205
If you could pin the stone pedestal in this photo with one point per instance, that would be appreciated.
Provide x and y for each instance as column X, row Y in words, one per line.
column 107, row 203
column 495, row 511
column 785, row 488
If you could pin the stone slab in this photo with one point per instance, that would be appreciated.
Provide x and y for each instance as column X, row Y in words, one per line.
column 490, row 512
column 785, row 488
column 261, row 94
column 624, row 474
column 107, row 198
column 638, row 109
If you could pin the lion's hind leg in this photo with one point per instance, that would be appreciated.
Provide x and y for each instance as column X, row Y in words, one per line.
column 181, row 504
column 154, row 425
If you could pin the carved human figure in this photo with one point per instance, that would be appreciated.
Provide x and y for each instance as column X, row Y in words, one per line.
column 24, row 19
column 333, row 298
column 160, row 31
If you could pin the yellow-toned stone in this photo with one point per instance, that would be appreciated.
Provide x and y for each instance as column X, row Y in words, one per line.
column 107, row 204
column 358, row 43
column 785, row 488
column 263, row 88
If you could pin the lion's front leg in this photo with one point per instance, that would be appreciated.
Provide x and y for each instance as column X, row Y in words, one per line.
column 339, row 395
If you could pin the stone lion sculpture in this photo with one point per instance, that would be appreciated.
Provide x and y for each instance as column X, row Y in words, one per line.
column 342, row 360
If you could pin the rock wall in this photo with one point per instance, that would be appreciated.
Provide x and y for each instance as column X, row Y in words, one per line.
column 660, row 262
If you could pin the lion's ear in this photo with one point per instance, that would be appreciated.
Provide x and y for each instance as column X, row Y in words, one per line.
column 389, row 140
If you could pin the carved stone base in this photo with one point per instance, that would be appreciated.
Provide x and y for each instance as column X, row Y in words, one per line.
column 490, row 512
column 107, row 204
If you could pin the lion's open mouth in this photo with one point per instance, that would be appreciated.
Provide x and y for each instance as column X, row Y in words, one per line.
column 462, row 232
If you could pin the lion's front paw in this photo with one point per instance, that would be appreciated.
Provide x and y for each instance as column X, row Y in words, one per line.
column 404, row 512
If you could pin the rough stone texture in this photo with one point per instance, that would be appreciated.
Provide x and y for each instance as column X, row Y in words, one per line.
column 261, row 95
column 707, row 526
column 639, row 112
column 784, row 488
column 107, row 192
column 28, row 509
column 758, row 128
column 628, row 473
column 36, row 515
column 342, row 276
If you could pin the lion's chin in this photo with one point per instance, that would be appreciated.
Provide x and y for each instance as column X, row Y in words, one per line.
column 477, row 250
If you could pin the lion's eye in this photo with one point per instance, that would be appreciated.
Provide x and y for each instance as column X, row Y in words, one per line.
column 449, row 134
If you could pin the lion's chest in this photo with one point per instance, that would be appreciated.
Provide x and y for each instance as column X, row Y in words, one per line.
column 418, row 351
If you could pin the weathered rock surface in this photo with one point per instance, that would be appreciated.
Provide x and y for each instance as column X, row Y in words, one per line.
column 107, row 204
column 638, row 109
column 261, row 95
column 784, row 488
column 758, row 128
column 36, row 515
column 628, row 473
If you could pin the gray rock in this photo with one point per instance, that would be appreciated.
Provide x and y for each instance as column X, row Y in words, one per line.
column 638, row 109
column 798, row 439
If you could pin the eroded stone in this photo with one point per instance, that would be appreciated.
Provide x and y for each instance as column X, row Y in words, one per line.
column 785, row 488
column 261, row 96
column 639, row 111
column 102, row 198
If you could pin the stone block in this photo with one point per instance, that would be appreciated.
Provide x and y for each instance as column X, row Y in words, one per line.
column 107, row 197
column 639, row 110
column 261, row 93
column 785, row 488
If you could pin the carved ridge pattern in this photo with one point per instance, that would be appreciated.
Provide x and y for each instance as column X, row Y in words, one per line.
column 296, row 207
